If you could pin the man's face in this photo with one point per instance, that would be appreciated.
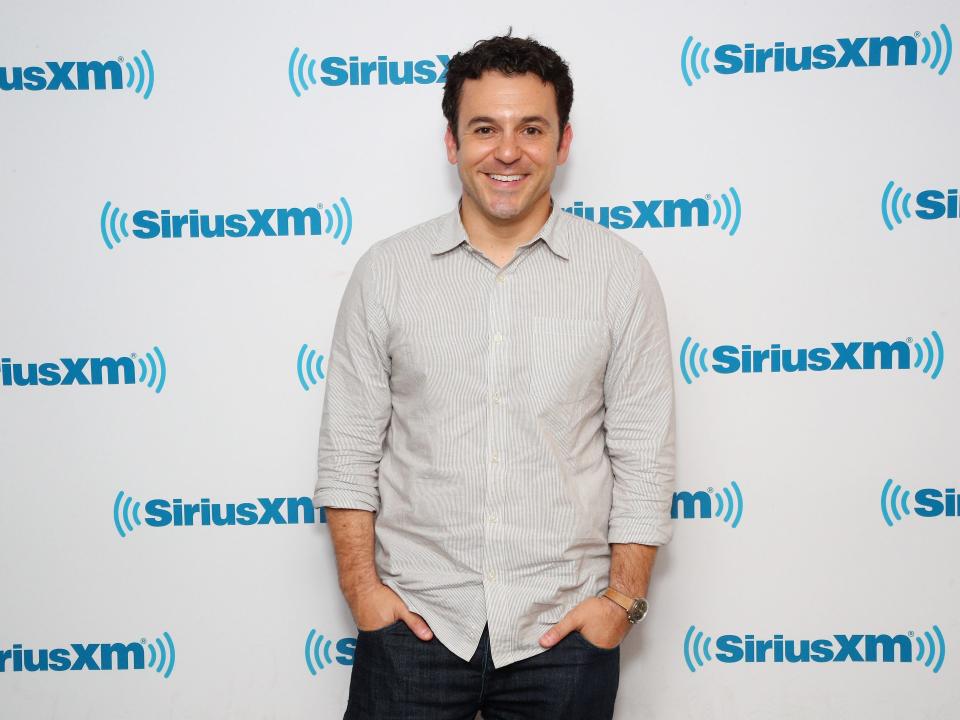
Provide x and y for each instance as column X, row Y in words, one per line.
column 510, row 144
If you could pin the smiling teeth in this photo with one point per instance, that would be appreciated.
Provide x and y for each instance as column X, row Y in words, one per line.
column 506, row 178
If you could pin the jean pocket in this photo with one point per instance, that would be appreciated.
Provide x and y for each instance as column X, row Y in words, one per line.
column 380, row 630
column 583, row 641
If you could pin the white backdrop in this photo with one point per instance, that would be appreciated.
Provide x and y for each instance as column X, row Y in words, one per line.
column 811, row 263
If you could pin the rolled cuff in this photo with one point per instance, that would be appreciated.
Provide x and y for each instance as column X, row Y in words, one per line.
column 347, row 499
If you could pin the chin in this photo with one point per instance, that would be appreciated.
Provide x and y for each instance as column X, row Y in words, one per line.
column 505, row 211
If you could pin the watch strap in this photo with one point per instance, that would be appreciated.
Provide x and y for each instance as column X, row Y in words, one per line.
column 624, row 601
column 636, row 608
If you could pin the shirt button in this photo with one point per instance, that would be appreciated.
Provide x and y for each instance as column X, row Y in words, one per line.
column 492, row 519
column 495, row 457
column 501, row 279
column 496, row 398
column 492, row 576
column 498, row 338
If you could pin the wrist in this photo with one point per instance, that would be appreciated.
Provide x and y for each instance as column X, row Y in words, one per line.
column 354, row 589
column 635, row 607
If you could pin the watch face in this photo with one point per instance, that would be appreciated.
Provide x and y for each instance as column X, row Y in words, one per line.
column 638, row 610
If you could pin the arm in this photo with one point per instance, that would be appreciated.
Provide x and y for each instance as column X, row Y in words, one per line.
column 356, row 402
column 353, row 542
column 639, row 420
column 372, row 604
column 357, row 408
column 630, row 568
column 639, row 423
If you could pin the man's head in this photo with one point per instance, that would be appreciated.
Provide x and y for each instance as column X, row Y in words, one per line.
column 507, row 102
column 508, row 56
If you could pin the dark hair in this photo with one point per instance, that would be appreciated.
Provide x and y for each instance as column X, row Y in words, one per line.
column 510, row 56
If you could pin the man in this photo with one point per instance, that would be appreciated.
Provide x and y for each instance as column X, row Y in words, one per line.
column 499, row 395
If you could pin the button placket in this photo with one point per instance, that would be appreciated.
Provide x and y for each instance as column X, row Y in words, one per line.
column 498, row 314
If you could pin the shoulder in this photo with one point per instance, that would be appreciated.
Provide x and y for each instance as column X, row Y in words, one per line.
column 411, row 243
column 600, row 247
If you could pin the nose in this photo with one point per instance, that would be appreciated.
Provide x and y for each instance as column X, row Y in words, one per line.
column 507, row 150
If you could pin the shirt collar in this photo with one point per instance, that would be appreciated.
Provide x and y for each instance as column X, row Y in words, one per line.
column 453, row 233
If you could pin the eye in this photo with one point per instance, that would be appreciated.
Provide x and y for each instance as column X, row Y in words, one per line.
column 484, row 130
column 531, row 130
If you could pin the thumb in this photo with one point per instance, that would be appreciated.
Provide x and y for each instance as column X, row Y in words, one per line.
column 559, row 631
column 418, row 625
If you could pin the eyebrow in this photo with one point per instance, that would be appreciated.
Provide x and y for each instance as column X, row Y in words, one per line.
column 523, row 121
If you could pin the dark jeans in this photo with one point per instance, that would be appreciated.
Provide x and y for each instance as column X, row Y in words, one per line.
column 397, row 676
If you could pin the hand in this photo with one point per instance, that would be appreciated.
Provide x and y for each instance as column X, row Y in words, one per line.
column 379, row 606
column 599, row 620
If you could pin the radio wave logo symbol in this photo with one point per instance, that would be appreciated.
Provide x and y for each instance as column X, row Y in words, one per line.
column 113, row 226
column 938, row 52
column 300, row 69
column 730, row 212
column 894, row 205
column 308, row 362
column 141, row 73
column 931, row 649
column 126, row 514
column 693, row 60
column 153, row 370
column 343, row 217
column 929, row 354
column 163, row 654
column 311, row 652
column 693, row 360
column 696, row 648
column 729, row 504
column 893, row 502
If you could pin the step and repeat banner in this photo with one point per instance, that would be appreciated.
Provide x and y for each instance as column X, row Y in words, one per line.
column 185, row 190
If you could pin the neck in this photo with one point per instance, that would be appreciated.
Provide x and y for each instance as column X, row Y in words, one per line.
column 485, row 231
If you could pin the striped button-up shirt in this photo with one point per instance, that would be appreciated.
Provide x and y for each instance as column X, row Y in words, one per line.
column 505, row 424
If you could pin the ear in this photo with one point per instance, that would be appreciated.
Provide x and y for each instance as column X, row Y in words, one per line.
column 564, row 149
column 451, row 142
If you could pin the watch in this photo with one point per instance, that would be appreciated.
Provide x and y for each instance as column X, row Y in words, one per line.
column 636, row 607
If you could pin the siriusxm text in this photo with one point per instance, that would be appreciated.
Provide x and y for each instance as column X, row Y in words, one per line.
column 161, row 512
column 844, row 53
column 69, row 371
column 857, row 355
column 82, row 75
column 688, row 504
column 646, row 213
column 839, row 648
column 255, row 222
column 382, row 71
column 933, row 502
column 935, row 204
column 76, row 656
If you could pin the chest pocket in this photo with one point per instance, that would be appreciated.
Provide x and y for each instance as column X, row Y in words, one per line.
column 563, row 360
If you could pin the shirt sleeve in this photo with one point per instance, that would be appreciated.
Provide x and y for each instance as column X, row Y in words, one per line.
column 639, row 420
column 356, row 404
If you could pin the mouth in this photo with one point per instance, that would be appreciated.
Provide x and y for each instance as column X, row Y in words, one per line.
column 505, row 180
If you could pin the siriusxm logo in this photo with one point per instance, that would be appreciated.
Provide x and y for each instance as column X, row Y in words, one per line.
column 931, row 649
column 89, row 371
column 682, row 212
column 93, row 656
column 927, row 502
column 336, row 220
column 316, row 645
column 928, row 205
column 888, row 51
column 161, row 512
column 336, row 71
column 725, row 504
column 82, row 75
column 857, row 355
column 309, row 367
